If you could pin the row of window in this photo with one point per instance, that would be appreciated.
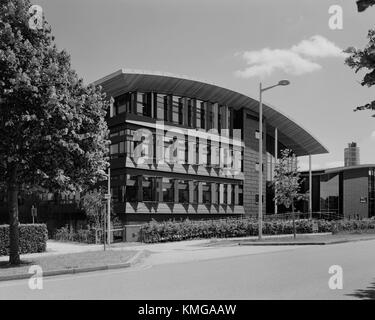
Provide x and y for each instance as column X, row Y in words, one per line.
column 162, row 189
column 190, row 112
column 184, row 150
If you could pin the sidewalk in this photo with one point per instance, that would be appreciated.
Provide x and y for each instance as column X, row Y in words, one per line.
column 60, row 248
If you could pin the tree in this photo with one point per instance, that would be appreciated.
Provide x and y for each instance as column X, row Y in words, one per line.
column 362, row 5
column 364, row 59
column 287, row 182
column 53, row 133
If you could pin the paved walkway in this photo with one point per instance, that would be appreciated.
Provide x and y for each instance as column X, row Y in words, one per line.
column 180, row 251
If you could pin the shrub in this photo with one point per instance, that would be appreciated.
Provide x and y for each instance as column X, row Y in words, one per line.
column 82, row 235
column 365, row 225
column 176, row 230
column 32, row 238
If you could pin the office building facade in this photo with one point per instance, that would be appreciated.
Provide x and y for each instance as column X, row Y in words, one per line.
column 182, row 148
column 345, row 192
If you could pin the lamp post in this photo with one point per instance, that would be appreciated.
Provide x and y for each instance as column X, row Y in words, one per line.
column 260, row 198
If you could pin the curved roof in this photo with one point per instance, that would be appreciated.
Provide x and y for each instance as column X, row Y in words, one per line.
column 289, row 132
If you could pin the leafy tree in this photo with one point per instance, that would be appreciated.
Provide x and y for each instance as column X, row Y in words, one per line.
column 364, row 59
column 93, row 206
column 53, row 133
column 362, row 5
column 287, row 182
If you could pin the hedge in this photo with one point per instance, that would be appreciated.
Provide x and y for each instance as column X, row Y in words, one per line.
column 175, row 231
column 32, row 238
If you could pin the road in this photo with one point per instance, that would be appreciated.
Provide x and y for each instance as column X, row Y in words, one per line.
column 295, row 272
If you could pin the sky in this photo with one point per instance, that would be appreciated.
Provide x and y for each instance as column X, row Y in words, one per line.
column 235, row 44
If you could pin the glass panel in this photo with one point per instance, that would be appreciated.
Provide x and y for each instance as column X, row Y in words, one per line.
column 183, row 191
column 168, row 190
column 206, row 192
column 148, row 185
column 329, row 193
column 131, row 188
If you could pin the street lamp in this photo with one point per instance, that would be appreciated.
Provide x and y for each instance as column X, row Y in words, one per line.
column 260, row 198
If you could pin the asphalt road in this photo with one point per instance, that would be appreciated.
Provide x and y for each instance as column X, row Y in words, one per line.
column 295, row 273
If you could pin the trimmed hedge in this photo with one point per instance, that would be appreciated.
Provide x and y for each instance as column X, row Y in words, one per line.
column 32, row 238
column 175, row 231
column 364, row 225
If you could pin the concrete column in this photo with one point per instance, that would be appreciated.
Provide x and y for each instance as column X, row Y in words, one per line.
column 200, row 192
column 229, row 194
column 213, row 193
column 175, row 193
column 191, row 191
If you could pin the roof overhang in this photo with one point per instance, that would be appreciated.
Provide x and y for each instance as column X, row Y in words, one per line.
column 290, row 133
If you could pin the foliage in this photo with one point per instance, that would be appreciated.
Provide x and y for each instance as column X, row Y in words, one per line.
column 287, row 180
column 364, row 59
column 175, row 231
column 81, row 235
column 33, row 238
column 364, row 225
column 92, row 204
column 53, row 133
column 362, row 5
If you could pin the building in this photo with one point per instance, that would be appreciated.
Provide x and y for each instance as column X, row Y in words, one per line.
column 345, row 192
column 182, row 148
column 351, row 155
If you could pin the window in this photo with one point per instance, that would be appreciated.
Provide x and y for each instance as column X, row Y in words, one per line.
column 167, row 108
column 148, row 186
column 143, row 106
column 240, row 195
column 168, row 190
column 183, row 191
column 206, row 187
column 118, row 194
column 131, row 193
column 121, row 104
column 114, row 150
column 177, row 105
column 225, row 194
column 161, row 106
column 195, row 192
column 198, row 113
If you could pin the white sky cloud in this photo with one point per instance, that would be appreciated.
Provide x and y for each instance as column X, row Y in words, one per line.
column 297, row 60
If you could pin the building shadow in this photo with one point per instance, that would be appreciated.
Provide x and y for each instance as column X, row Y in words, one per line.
column 364, row 294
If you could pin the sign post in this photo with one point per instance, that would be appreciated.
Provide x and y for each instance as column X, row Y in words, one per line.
column 34, row 213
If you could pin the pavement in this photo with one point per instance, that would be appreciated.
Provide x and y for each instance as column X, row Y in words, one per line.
column 58, row 247
column 220, row 272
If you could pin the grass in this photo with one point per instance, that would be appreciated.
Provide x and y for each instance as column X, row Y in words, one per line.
column 68, row 261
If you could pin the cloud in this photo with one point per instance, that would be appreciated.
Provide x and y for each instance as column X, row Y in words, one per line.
column 297, row 60
column 373, row 135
